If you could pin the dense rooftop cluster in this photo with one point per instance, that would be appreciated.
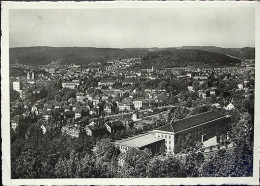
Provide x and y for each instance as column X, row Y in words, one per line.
column 114, row 101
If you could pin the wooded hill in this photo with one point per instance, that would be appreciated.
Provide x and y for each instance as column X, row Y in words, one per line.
column 165, row 57
column 170, row 58
column 68, row 55
column 244, row 53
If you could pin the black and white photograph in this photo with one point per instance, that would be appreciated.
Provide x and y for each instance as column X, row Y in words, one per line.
column 129, row 92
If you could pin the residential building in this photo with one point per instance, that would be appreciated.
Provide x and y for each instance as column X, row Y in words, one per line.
column 57, row 105
column 107, row 82
column 46, row 115
column 15, row 121
column 128, row 82
column 202, row 94
column 189, row 75
column 78, row 113
column 17, row 86
column 48, row 107
column 36, row 91
column 217, row 105
column 230, row 106
column 212, row 92
column 113, row 126
column 93, row 112
column 69, row 114
column 67, row 108
column 43, row 129
column 200, row 77
column 135, row 117
column 34, row 108
column 30, row 75
column 104, row 98
column 124, row 106
column 190, row 88
column 95, row 101
column 95, row 130
column 107, row 108
column 128, row 76
column 70, row 84
column 240, row 86
column 113, row 92
column 138, row 104
column 80, row 97
column 52, row 70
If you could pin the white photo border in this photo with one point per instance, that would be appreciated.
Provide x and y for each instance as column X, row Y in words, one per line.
column 5, row 99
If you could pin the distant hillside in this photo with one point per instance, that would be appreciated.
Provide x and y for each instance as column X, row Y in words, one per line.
column 168, row 57
column 185, row 57
column 68, row 55
column 244, row 53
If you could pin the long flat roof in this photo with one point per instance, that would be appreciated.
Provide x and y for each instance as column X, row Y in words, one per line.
column 139, row 140
column 191, row 121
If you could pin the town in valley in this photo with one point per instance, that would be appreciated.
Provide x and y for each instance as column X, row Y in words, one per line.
column 132, row 117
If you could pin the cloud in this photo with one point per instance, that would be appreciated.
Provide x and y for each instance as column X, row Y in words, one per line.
column 123, row 28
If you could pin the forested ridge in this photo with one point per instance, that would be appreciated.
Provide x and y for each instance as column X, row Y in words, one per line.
column 164, row 57
column 185, row 58
column 69, row 55
column 244, row 53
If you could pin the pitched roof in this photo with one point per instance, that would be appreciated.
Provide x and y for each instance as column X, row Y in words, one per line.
column 70, row 82
column 108, row 104
column 107, row 80
column 64, row 102
column 66, row 107
column 95, row 128
column 137, row 99
column 46, row 113
column 115, row 123
column 57, row 104
column 128, row 81
column 16, row 118
column 68, row 113
column 229, row 104
column 39, row 106
column 167, row 127
column 78, row 110
column 192, row 121
column 48, row 106
column 80, row 94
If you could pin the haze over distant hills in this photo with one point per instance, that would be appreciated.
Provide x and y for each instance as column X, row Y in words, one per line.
column 244, row 53
column 68, row 55
column 166, row 57
column 170, row 58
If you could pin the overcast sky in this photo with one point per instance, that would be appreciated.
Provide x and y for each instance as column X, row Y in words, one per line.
column 126, row 28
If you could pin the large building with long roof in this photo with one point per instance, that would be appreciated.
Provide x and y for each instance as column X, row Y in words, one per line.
column 201, row 127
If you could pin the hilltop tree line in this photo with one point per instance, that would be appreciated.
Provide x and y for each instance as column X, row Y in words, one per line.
column 67, row 55
column 84, row 55
column 185, row 57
